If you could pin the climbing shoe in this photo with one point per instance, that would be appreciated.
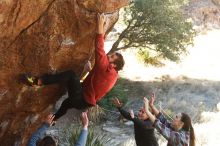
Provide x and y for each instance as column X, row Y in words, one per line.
column 29, row 80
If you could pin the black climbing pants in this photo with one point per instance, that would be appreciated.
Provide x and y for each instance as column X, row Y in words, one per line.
column 74, row 89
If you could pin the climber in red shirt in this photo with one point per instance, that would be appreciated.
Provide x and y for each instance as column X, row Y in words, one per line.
column 99, row 81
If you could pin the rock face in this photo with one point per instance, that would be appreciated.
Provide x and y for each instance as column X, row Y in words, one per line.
column 42, row 36
column 204, row 13
column 217, row 2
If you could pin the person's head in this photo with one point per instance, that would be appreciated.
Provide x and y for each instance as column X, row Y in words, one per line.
column 47, row 141
column 116, row 60
column 183, row 121
column 142, row 114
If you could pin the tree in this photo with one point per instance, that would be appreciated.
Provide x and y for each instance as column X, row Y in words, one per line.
column 155, row 26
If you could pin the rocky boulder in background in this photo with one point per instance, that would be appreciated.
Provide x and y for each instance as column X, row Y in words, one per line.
column 38, row 37
column 205, row 14
column 216, row 2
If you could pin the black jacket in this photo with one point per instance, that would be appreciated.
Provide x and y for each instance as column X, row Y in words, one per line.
column 144, row 130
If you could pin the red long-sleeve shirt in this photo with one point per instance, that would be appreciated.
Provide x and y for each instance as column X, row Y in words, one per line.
column 102, row 77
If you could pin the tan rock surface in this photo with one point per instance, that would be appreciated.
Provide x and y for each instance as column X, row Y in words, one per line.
column 38, row 37
column 204, row 13
column 217, row 2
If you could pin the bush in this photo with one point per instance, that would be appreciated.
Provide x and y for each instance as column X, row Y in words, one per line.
column 71, row 135
column 95, row 114
column 117, row 91
column 145, row 57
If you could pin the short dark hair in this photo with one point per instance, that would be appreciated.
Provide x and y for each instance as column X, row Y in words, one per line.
column 47, row 141
column 119, row 62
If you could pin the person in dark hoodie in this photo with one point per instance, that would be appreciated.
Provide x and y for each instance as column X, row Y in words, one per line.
column 143, row 127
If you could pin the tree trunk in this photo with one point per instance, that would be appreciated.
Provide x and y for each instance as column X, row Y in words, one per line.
column 115, row 45
column 120, row 38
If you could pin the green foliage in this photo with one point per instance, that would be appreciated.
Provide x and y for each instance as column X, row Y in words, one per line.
column 71, row 135
column 117, row 91
column 96, row 114
column 157, row 27
column 144, row 56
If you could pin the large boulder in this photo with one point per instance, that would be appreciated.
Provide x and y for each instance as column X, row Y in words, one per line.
column 42, row 36
column 217, row 2
column 204, row 13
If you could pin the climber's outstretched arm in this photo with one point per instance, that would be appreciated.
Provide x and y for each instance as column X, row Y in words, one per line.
column 101, row 60
column 101, row 21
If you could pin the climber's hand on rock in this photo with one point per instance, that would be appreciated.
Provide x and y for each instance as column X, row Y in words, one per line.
column 85, row 120
column 101, row 21
column 49, row 119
